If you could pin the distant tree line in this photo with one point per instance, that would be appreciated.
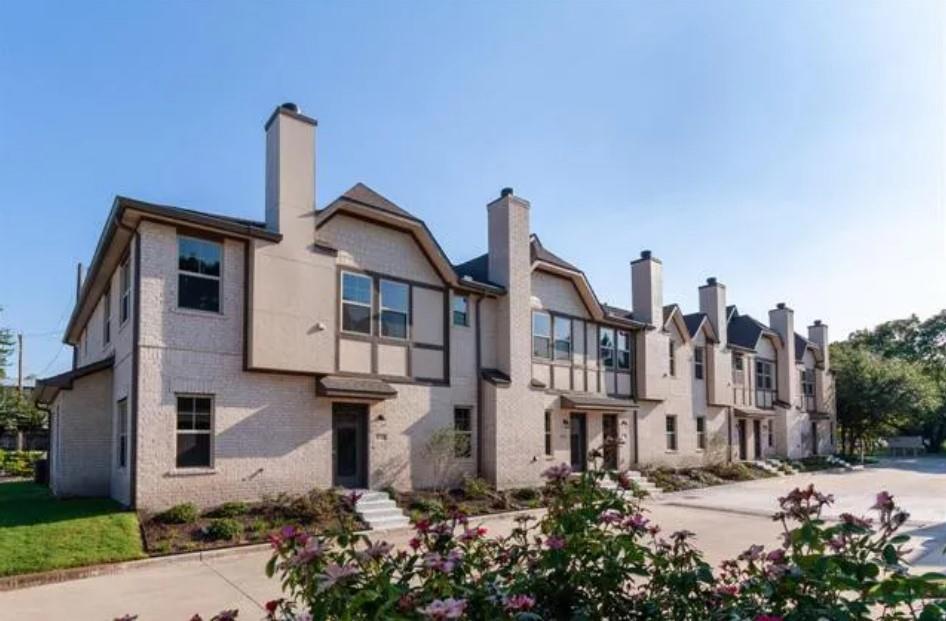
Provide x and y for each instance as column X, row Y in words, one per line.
column 891, row 380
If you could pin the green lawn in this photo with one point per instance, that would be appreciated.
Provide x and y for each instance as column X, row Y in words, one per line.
column 39, row 533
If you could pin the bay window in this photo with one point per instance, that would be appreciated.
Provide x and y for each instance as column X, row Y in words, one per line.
column 562, row 327
column 356, row 303
column 541, row 335
column 395, row 309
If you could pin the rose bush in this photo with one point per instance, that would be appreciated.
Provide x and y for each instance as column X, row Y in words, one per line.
column 595, row 555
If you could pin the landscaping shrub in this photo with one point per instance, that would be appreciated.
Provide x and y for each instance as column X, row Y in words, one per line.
column 184, row 513
column 731, row 471
column 430, row 506
column 475, row 488
column 223, row 529
column 526, row 494
column 595, row 555
column 19, row 463
column 229, row 509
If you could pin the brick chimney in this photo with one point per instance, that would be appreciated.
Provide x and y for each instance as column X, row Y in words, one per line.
column 818, row 334
column 782, row 321
column 290, row 173
column 713, row 303
column 647, row 288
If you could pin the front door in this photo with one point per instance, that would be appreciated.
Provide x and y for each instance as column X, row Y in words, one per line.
column 579, row 442
column 350, row 445
column 814, row 438
column 609, row 431
column 743, row 451
column 757, row 438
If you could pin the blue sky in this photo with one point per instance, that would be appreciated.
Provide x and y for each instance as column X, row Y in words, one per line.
column 793, row 150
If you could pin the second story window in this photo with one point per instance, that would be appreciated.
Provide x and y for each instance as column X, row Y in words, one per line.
column 461, row 310
column 765, row 383
column 672, row 351
column 808, row 389
column 198, row 276
column 107, row 316
column 698, row 362
column 124, row 310
column 606, row 347
column 541, row 335
column 395, row 309
column 563, row 338
column 737, row 369
column 356, row 303
column 624, row 350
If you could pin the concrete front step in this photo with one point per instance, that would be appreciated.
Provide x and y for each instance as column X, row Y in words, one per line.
column 379, row 511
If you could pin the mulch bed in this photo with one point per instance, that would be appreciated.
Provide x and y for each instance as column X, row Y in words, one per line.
column 425, row 504
column 317, row 511
column 679, row 479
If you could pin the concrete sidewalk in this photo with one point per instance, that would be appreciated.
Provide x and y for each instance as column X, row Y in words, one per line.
column 726, row 520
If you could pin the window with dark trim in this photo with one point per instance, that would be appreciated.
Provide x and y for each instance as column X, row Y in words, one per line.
column 194, row 431
column 198, row 274
column 738, row 375
column 541, row 335
column 771, row 434
column 624, row 349
column 122, row 413
column 606, row 347
column 807, row 380
column 394, row 304
column 463, row 432
column 672, row 351
column 698, row 362
column 107, row 316
column 764, row 383
column 701, row 432
column 356, row 303
column 562, row 330
column 548, row 432
column 124, row 280
column 671, row 427
column 461, row 310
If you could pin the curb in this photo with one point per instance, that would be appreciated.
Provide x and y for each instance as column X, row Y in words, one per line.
column 24, row 581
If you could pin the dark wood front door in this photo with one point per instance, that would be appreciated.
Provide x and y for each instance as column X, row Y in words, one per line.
column 814, row 438
column 578, row 433
column 757, row 438
column 609, row 432
column 350, row 445
column 743, row 450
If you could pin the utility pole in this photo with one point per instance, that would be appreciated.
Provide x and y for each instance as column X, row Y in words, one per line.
column 19, row 363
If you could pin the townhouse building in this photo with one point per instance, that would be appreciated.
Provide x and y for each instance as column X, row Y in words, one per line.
column 218, row 358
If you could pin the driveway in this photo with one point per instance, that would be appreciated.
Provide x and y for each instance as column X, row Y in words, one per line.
column 726, row 519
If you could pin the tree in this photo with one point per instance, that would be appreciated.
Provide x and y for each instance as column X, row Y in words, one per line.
column 879, row 396
column 922, row 343
column 7, row 344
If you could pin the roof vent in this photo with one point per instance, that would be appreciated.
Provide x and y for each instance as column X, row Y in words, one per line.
column 645, row 254
column 711, row 280
column 291, row 107
column 780, row 306
column 505, row 192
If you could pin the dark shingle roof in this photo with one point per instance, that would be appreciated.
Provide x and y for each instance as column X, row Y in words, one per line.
column 801, row 344
column 540, row 253
column 620, row 313
column 476, row 268
column 744, row 331
column 693, row 322
column 668, row 310
column 363, row 195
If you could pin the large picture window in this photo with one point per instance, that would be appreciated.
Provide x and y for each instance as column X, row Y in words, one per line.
column 122, row 413
column 606, row 347
column 356, row 303
column 198, row 276
column 463, row 432
column 194, row 431
column 395, row 309
column 563, row 337
column 765, row 383
column 624, row 349
column 541, row 335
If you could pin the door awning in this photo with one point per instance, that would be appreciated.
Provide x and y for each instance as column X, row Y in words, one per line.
column 594, row 402
column 819, row 416
column 749, row 412
column 354, row 387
